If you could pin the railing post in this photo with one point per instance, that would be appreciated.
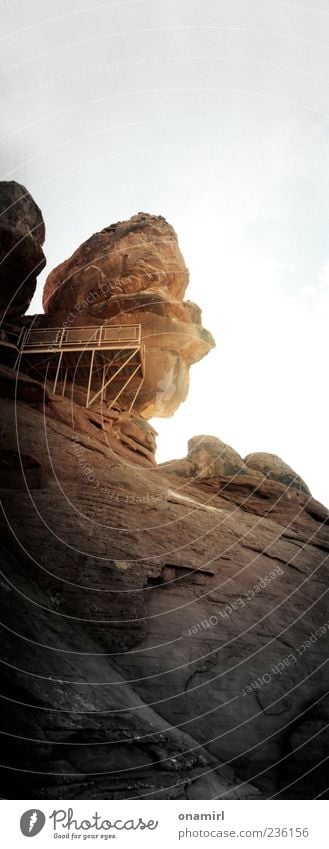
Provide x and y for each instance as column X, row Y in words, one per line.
column 90, row 376
column 57, row 372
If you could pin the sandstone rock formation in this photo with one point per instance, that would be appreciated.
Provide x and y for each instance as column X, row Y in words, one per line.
column 22, row 234
column 133, row 273
column 275, row 469
column 164, row 628
column 125, row 258
column 162, row 637
column 209, row 457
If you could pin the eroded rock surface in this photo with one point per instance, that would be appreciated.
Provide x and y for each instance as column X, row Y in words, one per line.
column 207, row 457
column 22, row 234
column 133, row 273
column 164, row 629
column 123, row 259
column 156, row 624
column 275, row 469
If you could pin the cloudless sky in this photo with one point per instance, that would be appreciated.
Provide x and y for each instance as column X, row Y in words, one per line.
column 213, row 113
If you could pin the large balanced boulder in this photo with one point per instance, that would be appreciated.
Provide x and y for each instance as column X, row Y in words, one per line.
column 125, row 258
column 208, row 457
column 22, row 234
column 133, row 273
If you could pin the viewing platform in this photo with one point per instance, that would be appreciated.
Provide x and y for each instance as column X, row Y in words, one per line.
column 91, row 357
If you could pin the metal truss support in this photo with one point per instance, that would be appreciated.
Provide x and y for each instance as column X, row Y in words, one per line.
column 57, row 372
column 18, row 361
column 58, row 341
column 64, row 382
column 90, row 378
column 103, row 395
column 136, row 393
column 125, row 385
column 90, row 400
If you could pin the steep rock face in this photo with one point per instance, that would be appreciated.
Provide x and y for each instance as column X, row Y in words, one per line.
column 123, row 434
column 22, row 234
column 133, row 273
column 165, row 636
column 164, row 629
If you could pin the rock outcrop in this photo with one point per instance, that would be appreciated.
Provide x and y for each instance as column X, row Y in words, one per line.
column 209, row 457
column 162, row 637
column 132, row 256
column 133, row 273
column 22, row 234
column 275, row 469
column 165, row 630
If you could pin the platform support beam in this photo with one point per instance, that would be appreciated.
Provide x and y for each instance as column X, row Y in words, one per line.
column 125, row 385
column 90, row 377
column 64, row 382
column 136, row 393
column 107, row 383
column 57, row 372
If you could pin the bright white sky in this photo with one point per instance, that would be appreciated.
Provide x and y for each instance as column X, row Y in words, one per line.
column 213, row 113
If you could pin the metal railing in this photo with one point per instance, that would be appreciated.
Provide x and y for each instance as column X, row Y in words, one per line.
column 80, row 338
column 11, row 336
column 91, row 340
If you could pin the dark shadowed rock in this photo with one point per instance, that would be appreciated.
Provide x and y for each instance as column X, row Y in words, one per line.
column 156, row 617
column 308, row 749
column 22, row 234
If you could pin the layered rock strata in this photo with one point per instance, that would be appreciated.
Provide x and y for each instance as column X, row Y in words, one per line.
column 164, row 628
column 133, row 273
column 162, row 636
